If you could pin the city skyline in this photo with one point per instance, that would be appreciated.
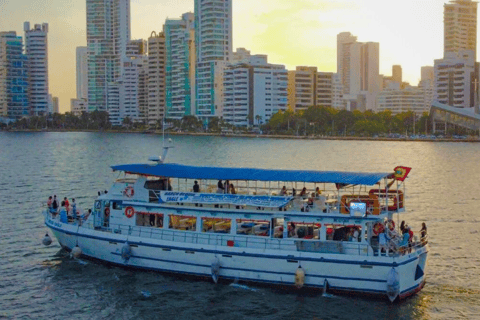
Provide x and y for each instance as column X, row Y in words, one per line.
column 293, row 34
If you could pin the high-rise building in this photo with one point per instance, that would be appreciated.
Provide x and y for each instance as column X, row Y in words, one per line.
column 344, row 42
column 56, row 105
column 455, row 79
column 180, row 72
column 305, row 87
column 36, row 50
column 108, row 33
column 13, row 77
column 397, row 74
column 82, row 73
column 460, row 26
column 213, row 41
column 324, row 89
column 254, row 91
column 156, row 77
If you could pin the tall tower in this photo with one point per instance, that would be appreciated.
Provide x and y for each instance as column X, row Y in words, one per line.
column 156, row 78
column 82, row 73
column 344, row 42
column 213, row 41
column 108, row 33
column 36, row 49
column 13, row 77
column 180, row 49
column 460, row 26
column 397, row 74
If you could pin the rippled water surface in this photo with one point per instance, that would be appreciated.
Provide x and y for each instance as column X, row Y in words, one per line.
column 39, row 282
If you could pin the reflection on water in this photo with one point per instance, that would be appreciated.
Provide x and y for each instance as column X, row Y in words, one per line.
column 38, row 283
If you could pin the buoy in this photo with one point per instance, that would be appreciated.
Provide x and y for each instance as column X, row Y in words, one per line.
column 47, row 240
column 76, row 252
column 126, row 252
column 299, row 277
column 215, row 270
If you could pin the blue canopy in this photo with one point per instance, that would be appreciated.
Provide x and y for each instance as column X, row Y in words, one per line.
column 171, row 170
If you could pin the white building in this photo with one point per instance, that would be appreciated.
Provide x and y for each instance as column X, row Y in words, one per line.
column 156, row 78
column 82, row 73
column 180, row 71
column 213, row 41
column 400, row 100
column 337, row 92
column 455, row 79
column 36, row 49
column 254, row 92
column 78, row 106
column 108, row 33
column 460, row 23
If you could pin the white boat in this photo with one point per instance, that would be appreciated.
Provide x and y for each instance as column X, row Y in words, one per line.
column 152, row 219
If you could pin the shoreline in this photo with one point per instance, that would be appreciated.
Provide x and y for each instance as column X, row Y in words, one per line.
column 262, row 136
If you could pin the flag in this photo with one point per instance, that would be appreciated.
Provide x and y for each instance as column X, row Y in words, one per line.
column 401, row 173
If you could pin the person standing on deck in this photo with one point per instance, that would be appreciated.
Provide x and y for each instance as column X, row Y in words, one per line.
column 67, row 204
column 55, row 204
column 220, row 188
column 74, row 209
column 196, row 187
column 49, row 204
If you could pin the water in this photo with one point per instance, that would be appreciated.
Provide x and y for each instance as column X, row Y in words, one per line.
column 40, row 282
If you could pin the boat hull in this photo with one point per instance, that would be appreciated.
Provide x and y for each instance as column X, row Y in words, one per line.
column 344, row 273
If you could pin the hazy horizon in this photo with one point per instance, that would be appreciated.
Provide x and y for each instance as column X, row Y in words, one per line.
column 293, row 33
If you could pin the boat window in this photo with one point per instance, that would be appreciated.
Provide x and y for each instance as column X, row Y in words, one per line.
column 304, row 230
column 253, row 227
column 117, row 205
column 183, row 223
column 147, row 219
column 216, row 225
column 159, row 184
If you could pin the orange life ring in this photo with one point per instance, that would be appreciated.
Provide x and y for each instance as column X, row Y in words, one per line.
column 107, row 212
column 129, row 212
column 378, row 228
column 129, row 192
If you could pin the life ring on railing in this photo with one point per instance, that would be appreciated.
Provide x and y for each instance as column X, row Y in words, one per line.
column 107, row 212
column 129, row 212
column 378, row 228
column 129, row 192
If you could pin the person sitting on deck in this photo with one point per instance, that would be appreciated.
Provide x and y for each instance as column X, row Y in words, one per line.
column 317, row 192
column 220, row 187
column 232, row 189
column 311, row 200
column 303, row 194
column 294, row 192
column 283, row 192
column 196, row 187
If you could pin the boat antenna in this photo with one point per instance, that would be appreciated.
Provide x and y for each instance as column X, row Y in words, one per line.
column 161, row 159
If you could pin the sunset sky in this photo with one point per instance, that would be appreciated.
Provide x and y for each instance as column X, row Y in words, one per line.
column 291, row 32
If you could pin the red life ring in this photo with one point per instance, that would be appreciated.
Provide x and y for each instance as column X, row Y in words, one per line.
column 378, row 228
column 129, row 212
column 129, row 192
column 107, row 212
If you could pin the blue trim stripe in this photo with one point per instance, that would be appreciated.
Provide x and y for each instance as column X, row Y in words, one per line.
column 381, row 264
column 254, row 270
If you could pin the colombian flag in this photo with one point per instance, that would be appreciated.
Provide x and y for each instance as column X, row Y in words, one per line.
column 401, row 173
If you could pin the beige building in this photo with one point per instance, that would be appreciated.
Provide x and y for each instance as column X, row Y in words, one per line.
column 156, row 77
column 307, row 87
column 460, row 26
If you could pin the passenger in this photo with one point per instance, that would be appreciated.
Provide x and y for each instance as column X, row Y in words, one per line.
column 220, row 188
column 311, row 200
column 355, row 235
column 424, row 230
column 55, row 204
column 283, row 192
column 383, row 242
column 227, row 186
column 49, row 203
column 303, row 194
column 317, row 192
column 232, row 189
column 196, row 187
column 67, row 204
column 74, row 209
column 169, row 187
column 294, row 192
column 291, row 230
column 402, row 227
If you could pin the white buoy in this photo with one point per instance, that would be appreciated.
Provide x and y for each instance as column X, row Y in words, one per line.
column 393, row 284
column 76, row 252
column 126, row 252
column 47, row 240
column 299, row 277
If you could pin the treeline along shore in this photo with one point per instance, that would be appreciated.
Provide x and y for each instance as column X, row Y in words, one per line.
column 312, row 123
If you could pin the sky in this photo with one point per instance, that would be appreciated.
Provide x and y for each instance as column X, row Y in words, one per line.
column 290, row 32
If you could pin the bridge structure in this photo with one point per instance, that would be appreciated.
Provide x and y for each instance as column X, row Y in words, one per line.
column 443, row 115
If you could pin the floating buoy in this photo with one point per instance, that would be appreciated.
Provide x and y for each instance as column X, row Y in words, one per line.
column 76, row 252
column 299, row 277
column 215, row 270
column 126, row 252
column 47, row 240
